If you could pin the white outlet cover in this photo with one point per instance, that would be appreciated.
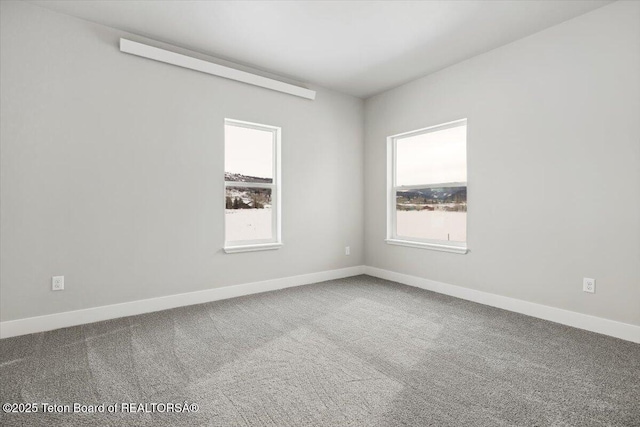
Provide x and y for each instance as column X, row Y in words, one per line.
column 57, row 283
column 589, row 285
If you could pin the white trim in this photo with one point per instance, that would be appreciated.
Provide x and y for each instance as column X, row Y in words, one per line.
column 429, row 129
column 427, row 245
column 49, row 322
column 80, row 317
column 276, row 192
column 587, row 322
column 252, row 125
column 277, row 176
column 252, row 248
column 391, row 197
column 392, row 236
column 184, row 61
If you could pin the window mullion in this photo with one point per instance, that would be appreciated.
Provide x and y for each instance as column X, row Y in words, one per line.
column 249, row 184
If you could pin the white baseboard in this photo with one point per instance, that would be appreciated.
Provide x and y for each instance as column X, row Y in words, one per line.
column 80, row 317
column 612, row 328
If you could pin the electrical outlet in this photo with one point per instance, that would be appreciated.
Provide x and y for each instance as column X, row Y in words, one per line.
column 57, row 283
column 347, row 250
column 589, row 285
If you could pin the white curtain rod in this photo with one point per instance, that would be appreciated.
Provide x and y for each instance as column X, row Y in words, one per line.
column 162, row 55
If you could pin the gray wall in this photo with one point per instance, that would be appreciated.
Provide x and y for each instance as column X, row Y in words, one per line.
column 112, row 172
column 111, row 169
column 553, row 161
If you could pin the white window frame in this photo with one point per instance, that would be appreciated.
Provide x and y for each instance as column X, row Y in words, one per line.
column 392, row 188
column 276, row 194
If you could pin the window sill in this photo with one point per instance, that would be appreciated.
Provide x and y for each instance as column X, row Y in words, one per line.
column 431, row 246
column 252, row 248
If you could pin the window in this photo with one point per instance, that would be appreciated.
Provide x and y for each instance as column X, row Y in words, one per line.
column 252, row 186
column 427, row 188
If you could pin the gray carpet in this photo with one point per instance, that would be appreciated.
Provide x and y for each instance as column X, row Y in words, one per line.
column 353, row 352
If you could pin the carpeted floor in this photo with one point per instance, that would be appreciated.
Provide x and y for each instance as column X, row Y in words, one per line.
column 352, row 352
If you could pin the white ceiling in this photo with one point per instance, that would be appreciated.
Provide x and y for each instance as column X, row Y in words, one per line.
column 356, row 47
